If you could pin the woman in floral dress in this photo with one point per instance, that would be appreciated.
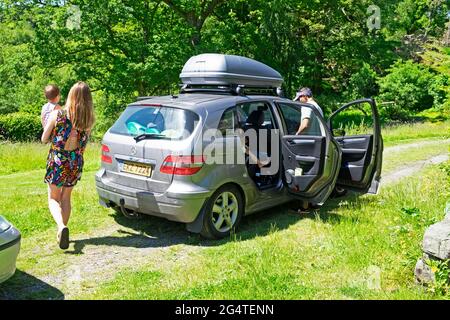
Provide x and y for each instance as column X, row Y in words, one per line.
column 68, row 131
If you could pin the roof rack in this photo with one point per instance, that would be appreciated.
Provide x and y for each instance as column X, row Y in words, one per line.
column 238, row 90
column 219, row 73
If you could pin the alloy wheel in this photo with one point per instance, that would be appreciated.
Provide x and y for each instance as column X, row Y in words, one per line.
column 225, row 212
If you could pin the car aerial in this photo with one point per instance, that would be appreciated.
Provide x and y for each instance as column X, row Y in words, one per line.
column 226, row 146
column 9, row 249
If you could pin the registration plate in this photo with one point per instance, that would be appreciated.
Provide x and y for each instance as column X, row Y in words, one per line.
column 137, row 168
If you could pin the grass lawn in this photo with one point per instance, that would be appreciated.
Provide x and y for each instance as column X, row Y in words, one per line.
column 23, row 193
column 331, row 254
column 361, row 248
column 402, row 133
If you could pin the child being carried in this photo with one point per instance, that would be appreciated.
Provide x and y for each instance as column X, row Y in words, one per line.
column 53, row 96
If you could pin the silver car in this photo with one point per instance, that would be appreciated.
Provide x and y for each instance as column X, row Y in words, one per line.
column 9, row 249
column 227, row 146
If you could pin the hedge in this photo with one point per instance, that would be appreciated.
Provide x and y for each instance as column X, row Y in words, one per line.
column 20, row 126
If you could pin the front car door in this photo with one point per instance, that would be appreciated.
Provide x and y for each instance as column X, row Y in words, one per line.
column 356, row 127
column 311, row 159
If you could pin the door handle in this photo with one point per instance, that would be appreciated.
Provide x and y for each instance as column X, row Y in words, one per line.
column 301, row 142
column 305, row 158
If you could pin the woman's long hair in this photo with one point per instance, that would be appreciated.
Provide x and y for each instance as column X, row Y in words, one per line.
column 80, row 108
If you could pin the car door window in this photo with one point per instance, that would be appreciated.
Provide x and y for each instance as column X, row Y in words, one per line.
column 293, row 115
column 354, row 120
column 227, row 123
column 245, row 110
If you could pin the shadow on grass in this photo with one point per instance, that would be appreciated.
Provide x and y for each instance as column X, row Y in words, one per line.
column 282, row 217
column 23, row 286
column 153, row 232
column 148, row 232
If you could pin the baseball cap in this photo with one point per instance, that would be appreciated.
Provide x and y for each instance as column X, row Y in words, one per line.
column 303, row 92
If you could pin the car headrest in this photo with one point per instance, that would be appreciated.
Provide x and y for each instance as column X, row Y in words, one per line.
column 256, row 118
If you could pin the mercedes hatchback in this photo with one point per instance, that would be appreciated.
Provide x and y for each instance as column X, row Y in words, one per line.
column 226, row 147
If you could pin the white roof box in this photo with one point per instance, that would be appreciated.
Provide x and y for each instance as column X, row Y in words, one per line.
column 221, row 69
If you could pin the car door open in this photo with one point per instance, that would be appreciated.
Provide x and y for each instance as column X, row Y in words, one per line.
column 310, row 159
column 356, row 127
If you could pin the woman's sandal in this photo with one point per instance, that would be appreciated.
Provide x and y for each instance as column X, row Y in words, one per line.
column 63, row 238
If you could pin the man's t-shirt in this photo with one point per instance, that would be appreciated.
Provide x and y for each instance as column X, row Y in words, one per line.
column 314, row 126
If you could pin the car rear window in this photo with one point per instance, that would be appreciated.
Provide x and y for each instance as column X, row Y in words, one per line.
column 165, row 122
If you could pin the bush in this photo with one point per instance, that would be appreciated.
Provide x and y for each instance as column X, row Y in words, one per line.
column 410, row 88
column 20, row 127
column 362, row 84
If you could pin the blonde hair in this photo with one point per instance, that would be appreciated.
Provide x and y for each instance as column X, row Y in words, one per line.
column 80, row 108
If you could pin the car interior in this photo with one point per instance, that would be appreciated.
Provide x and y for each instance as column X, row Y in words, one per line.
column 357, row 146
column 258, row 117
column 356, row 159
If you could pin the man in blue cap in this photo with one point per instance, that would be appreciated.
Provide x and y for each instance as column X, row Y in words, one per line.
column 308, row 123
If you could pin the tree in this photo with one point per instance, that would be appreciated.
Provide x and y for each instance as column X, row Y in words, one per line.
column 411, row 88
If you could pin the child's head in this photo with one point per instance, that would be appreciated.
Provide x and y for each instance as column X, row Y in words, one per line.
column 79, row 106
column 52, row 93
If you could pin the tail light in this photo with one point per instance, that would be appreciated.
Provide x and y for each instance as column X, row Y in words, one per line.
column 105, row 157
column 182, row 165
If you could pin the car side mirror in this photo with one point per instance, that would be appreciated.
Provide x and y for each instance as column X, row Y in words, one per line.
column 338, row 132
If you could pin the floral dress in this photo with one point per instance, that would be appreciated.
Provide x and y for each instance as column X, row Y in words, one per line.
column 64, row 168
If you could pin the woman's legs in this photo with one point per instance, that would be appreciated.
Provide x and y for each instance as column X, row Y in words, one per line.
column 66, row 205
column 54, row 204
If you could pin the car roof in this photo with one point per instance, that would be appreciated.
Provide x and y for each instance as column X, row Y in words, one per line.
column 200, row 101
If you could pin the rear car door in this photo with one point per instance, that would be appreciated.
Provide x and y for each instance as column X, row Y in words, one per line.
column 356, row 127
column 311, row 159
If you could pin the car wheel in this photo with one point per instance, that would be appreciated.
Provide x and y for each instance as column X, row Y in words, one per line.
column 223, row 213
column 339, row 192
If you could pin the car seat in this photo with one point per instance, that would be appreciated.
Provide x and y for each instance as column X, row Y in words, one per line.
column 254, row 121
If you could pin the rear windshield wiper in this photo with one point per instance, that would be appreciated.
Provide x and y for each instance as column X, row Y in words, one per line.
column 149, row 136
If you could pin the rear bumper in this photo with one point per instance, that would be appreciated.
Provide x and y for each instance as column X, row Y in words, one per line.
column 9, row 250
column 173, row 204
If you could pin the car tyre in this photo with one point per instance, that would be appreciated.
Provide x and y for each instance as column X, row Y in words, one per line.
column 223, row 212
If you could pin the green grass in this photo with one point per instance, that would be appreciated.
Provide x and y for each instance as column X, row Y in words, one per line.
column 402, row 133
column 24, row 203
column 23, row 157
column 405, row 132
column 329, row 255
column 23, row 193
column 275, row 254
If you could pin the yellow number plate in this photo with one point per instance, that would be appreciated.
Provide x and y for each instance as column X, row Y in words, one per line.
column 139, row 169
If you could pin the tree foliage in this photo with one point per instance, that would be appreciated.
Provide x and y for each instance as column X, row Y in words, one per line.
column 412, row 88
column 127, row 48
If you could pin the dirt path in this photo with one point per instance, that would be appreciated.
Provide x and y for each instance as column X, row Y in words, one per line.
column 412, row 169
column 97, row 257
